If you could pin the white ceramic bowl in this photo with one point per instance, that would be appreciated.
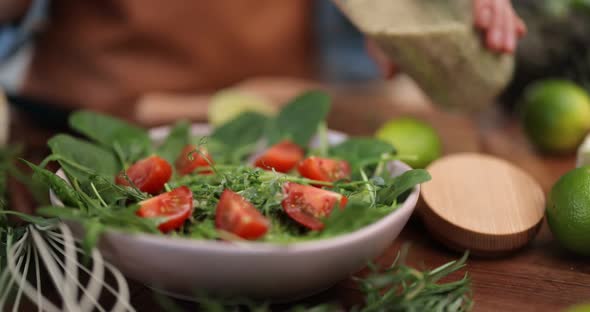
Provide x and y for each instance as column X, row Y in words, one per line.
column 181, row 266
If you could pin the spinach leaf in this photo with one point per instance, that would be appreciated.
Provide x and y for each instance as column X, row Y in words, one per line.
column 177, row 139
column 360, row 152
column 61, row 188
column 78, row 156
column 108, row 131
column 233, row 141
column 400, row 185
column 245, row 129
column 299, row 120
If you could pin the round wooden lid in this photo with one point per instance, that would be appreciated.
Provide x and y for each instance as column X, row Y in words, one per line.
column 481, row 203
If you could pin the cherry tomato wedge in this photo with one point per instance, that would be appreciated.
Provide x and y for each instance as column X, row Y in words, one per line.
column 149, row 174
column 236, row 215
column 281, row 157
column 324, row 169
column 188, row 160
column 174, row 206
column 307, row 204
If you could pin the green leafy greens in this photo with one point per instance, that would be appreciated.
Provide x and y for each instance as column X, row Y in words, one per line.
column 81, row 159
column 110, row 132
column 178, row 138
column 362, row 152
column 298, row 121
column 92, row 198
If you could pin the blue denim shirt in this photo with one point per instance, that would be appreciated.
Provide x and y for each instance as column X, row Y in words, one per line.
column 341, row 47
column 14, row 36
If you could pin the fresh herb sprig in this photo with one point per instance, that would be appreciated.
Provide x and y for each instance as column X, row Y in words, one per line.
column 403, row 288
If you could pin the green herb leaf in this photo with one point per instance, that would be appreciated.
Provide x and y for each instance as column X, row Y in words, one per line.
column 401, row 184
column 77, row 157
column 29, row 218
column 62, row 212
column 403, row 288
column 176, row 140
column 244, row 130
column 61, row 188
column 353, row 217
column 108, row 131
column 93, row 231
column 360, row 152
column 299, row 120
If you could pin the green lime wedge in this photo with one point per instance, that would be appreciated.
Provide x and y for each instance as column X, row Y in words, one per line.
column 227, row 104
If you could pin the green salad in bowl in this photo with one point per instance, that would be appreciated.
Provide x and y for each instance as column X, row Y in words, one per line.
column 252, row 178
column 265, row 207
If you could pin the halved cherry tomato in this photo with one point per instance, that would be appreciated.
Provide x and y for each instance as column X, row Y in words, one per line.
column 281, row 157
column 307, row 204
column 149, row 174
column 324, row 169
column 174, row 206
column 238, row 216
column 184, row 164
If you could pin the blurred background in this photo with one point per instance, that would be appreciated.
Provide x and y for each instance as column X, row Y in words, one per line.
column 130, row 61
column 555, row 46
column 155, row 63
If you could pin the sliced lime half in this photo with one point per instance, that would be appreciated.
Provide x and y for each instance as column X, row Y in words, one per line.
column 227, row 104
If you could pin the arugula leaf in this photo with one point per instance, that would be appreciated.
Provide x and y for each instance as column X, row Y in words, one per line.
column 177, row 139
column 360, row 152
column 108, row 131
column 61, row 188
column 77, row 156
column 31, row 219
column 63, row 212
column 93, row 230
column 244, row 130
column 401, row 184
column 299, row 120
column 353, row 217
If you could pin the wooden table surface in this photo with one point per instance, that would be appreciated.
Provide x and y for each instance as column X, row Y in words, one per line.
column 540, row 277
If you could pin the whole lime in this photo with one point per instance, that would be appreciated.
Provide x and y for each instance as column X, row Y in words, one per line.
column 568, row 210
column 556, row 115
column 579, row 308
column 414, row 140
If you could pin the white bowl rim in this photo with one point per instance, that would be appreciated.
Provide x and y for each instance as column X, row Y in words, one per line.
column 248, row 247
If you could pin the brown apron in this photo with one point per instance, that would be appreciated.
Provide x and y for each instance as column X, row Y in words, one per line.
column 105, row 54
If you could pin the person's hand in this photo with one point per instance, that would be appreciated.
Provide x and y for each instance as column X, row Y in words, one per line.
column 501, row 25
column 496, row 18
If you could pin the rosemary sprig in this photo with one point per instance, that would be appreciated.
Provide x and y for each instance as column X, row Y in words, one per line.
column 403, row 288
